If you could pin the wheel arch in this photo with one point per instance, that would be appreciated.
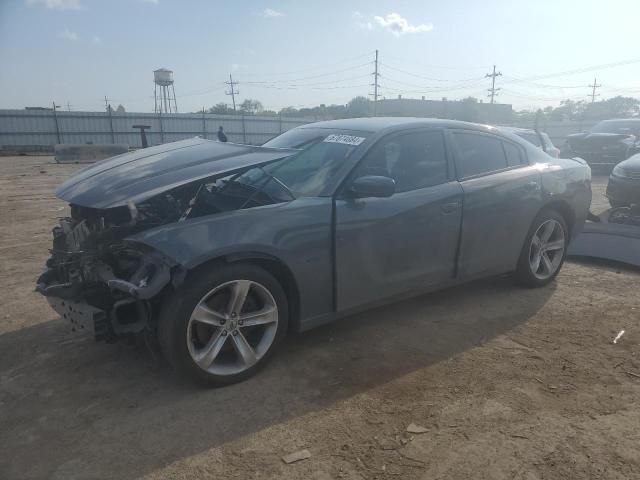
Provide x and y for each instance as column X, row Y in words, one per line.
column 272, row 264
column 564, row 208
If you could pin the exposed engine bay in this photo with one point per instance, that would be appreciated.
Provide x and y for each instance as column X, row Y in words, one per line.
column 100, row 280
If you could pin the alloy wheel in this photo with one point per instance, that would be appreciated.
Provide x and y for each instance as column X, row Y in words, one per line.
column 547, row 249
column 232, row 327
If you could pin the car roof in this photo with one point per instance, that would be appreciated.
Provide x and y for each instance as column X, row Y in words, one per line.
column 621, row 120
column 377, row 124
column 516, row 130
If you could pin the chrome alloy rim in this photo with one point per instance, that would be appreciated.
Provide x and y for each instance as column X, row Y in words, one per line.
column 547, row 249
column 232, row 327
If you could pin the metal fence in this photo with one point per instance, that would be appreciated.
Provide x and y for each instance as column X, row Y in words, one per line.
column 46, row 127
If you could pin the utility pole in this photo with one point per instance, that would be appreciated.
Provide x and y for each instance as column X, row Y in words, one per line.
column 232, row 91
column 68, row 106
column 593, row 91
column 375, row 86
column 55, row 119
column 492, row 91
column 107, row 106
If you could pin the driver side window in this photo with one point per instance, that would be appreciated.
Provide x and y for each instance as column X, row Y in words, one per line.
column 413, row 160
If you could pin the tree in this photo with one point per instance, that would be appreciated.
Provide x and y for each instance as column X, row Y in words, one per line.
column 251, row 107
column 288, row 112
column 120, row 109
column 221, row 109
column 469, row 109
column 359, row 107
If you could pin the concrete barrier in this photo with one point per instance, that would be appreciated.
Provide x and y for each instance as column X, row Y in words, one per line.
column 66, row 153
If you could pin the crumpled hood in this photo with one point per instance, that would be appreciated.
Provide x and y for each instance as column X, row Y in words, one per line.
column 139, row 175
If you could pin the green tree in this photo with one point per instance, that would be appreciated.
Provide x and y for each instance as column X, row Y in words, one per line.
column 251, row 107
column 220, row 108
column 359, row 107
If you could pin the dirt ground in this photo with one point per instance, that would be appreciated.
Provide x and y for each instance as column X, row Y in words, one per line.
column 507, row 383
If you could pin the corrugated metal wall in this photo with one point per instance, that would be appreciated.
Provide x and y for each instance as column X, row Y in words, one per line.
column 43, row 127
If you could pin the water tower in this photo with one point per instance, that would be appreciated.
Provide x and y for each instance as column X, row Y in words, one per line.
column 163, row 80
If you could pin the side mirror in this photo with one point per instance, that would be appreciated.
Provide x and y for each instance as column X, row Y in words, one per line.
column 372, row 186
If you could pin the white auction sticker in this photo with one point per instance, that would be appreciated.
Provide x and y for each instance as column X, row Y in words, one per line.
column 346, row 139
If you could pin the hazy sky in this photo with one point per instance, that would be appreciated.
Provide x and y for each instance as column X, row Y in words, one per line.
column 302, row 53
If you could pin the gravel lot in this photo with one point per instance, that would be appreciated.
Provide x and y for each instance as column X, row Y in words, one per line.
column 507, row 383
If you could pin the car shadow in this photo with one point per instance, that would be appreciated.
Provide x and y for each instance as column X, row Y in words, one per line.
column 73, row 408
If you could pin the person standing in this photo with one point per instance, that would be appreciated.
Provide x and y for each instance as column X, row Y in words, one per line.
column 221, row 136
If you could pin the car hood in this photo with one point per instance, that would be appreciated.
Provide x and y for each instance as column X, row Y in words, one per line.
column 136, row 176
column 631, row 164
column 591, row 141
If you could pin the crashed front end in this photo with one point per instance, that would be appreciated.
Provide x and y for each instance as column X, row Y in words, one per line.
column 98, row 277
column 97, row 280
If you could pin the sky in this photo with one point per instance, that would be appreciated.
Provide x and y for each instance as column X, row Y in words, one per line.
column 304, row 53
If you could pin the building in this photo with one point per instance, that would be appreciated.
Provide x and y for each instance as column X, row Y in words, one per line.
column 469, row 110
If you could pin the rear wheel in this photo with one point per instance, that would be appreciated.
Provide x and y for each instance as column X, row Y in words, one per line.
column 220, row 327
column 544, row 250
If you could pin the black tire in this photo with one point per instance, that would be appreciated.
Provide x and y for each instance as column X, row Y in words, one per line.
column 178, row 307
column 524, row 274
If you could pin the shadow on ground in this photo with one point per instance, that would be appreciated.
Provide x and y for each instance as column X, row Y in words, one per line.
column 72, row 408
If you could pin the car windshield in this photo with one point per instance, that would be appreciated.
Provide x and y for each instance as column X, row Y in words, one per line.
column 302, row 137
column 629, row 127
column 308, row 172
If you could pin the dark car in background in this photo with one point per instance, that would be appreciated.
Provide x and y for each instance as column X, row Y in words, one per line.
column 623, row 188
column 606, row 144
column 219, row 250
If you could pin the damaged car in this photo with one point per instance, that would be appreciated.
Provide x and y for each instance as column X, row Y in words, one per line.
column 607, row 143
column 219, row 250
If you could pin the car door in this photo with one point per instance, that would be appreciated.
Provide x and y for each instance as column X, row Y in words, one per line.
column 502, row 195
column 408, row 241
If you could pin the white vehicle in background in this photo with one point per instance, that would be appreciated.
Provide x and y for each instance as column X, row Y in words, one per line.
column 537, row 138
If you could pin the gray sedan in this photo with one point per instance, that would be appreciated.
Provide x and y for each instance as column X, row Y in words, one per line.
column 219, row 250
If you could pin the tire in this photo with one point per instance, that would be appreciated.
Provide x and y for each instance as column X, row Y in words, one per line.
column 199, row 323
column 552, row 255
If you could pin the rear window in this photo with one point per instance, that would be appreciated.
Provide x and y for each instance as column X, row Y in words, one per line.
column 478, row 154
column 514, row 154
column 530, row 137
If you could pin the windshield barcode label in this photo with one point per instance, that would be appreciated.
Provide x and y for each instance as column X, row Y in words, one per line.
column 346, row 139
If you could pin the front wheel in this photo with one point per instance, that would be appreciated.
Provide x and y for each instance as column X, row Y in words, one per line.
column 544, row 250
column 221, row 326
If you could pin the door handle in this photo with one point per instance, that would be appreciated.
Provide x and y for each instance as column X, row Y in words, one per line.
column 450, row 207
column 531, row 186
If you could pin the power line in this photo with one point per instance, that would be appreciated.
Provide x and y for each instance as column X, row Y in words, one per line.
column 593, row 91
column 232, row 91
column 428, row 78
column 252, row 82
column 294, row 72
column 579, row 70
column 271, row 84
column 492, row 91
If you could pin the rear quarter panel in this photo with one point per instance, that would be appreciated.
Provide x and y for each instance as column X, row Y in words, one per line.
column 568, row 181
